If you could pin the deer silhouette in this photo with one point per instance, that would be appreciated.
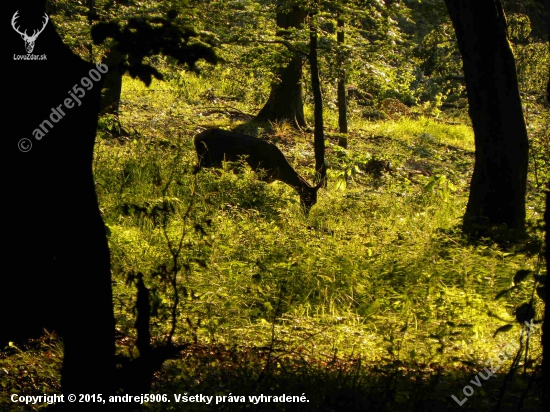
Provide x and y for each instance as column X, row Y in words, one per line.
column 214, row 146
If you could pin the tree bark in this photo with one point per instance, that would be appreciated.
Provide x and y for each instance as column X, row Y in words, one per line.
column 112, row 86
column 498, row 187
column 342, row 102
column 285, row 101
column 91, row 16
column 319, row 135
column 545, row 324
column 55, row 237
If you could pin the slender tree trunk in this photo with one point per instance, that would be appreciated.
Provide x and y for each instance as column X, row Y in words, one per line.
column 285, row 100
column 342, row 103
column 91, row 14
column 545, row 324
column 497, row 193
column 112, row 87
column 545, row 327
column 319, row 136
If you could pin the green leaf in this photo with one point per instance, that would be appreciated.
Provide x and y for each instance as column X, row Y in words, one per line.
column 429, row 187
column 341, row 185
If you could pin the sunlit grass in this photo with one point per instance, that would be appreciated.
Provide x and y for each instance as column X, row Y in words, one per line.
column 407, row 129
column 375, row 258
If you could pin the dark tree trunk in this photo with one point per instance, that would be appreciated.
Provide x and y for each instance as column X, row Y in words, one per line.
column 91, row 16
column 545, row 324
column 342, row 103
column 545, row 327
column 59, row 276
column 319, row 135
column 112, row 86
column 497, row 193
column 285, row 100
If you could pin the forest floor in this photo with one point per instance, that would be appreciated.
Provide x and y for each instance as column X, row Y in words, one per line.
column 375, row 301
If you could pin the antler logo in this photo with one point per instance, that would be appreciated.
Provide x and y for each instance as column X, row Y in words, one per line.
column 29, row 40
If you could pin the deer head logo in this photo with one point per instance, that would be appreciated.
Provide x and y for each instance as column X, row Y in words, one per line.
column 29, row 40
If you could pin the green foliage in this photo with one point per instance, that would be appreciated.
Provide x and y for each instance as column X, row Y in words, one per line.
column 389, row 232
column 141, row 38
column 377, row 287
column 532, row 57
column 30, row 369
